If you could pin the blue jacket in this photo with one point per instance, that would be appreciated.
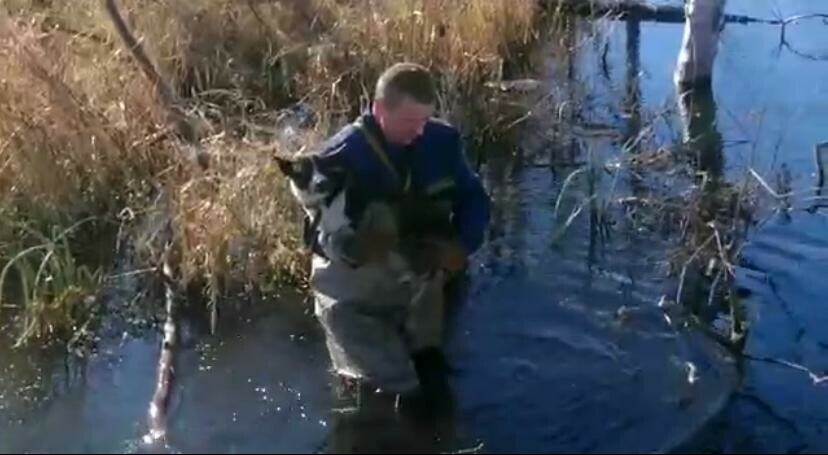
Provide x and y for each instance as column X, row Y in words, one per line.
column 437, row 166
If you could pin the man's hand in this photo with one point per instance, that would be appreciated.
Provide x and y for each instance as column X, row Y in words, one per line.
column 449, row 255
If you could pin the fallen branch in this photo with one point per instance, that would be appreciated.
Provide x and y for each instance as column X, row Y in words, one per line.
column 626, row 10
column 159, row 405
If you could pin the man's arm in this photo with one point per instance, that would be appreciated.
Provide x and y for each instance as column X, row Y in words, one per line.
column 472, row 204
column 341, row 233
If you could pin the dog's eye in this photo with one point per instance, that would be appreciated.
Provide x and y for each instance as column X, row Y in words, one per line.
column 323, row 184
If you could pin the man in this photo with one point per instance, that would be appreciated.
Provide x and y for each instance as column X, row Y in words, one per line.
column 380, row 331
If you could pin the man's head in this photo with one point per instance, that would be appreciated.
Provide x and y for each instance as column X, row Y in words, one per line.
column 404, row 99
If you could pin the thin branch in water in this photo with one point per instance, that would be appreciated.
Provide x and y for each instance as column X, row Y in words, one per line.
column 817, row 379
column 692, row 257
column 159, row 405
column 572, row 217
column 766, row 186
column 564, row 187
column 721, row 249
column 712, row 295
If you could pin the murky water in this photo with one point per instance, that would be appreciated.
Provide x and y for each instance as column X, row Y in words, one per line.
column 560, row 344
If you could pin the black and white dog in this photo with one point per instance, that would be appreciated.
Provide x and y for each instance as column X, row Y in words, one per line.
column 411, row 218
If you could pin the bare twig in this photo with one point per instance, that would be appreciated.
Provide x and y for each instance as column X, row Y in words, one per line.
column 766, row 186
column 564, row 187
column 817, row 379
column 721, row 249
column 184, row 124
column 134, row 46
column 783, row 40
column 711, row 296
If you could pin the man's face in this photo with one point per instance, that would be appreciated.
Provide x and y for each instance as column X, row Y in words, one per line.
column 403, row 123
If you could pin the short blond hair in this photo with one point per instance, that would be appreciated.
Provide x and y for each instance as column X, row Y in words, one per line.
column 403, row 80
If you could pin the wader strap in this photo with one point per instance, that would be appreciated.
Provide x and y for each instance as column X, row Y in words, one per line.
column 375, row 145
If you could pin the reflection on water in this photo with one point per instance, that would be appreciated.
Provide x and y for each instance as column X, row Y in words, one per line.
column 697, row 107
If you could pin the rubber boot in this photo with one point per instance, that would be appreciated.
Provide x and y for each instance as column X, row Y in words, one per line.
column 434, row 397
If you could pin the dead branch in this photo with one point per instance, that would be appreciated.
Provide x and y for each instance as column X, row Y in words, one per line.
column 783, row 40
column 184, row 125
column 165, row 92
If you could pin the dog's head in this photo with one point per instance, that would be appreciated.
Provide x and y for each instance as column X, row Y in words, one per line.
column 309, row 185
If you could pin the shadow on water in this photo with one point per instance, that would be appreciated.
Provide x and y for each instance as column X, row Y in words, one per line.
column 561, row 344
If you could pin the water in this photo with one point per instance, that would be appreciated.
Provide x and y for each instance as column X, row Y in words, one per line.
column 778, row 408
column 561, row 344
column 770, row 116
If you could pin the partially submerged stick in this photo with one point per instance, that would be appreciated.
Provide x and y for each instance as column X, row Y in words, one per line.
column 184, row 125
column 159, row 405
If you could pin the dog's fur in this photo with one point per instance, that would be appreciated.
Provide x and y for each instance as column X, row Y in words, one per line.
column 320, row 196
column 410, row 218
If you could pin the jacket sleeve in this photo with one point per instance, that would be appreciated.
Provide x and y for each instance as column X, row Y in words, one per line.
column 472, row 204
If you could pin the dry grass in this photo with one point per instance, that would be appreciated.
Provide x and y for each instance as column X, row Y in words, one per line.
column 83, row 133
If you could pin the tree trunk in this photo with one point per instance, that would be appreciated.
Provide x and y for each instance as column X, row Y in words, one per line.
column 701, row 134
column 700, row 43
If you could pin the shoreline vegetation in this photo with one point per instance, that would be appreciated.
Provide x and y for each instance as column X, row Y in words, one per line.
column 89, row 145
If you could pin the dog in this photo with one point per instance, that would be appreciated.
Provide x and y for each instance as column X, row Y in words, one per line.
column 410, row 220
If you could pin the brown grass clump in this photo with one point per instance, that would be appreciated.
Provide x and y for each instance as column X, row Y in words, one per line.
column 83, row 133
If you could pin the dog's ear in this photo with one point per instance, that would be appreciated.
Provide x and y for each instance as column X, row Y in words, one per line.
column 286, row 165
column 299, row 170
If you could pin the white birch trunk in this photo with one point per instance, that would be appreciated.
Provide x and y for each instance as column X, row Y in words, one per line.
column 700, row 43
